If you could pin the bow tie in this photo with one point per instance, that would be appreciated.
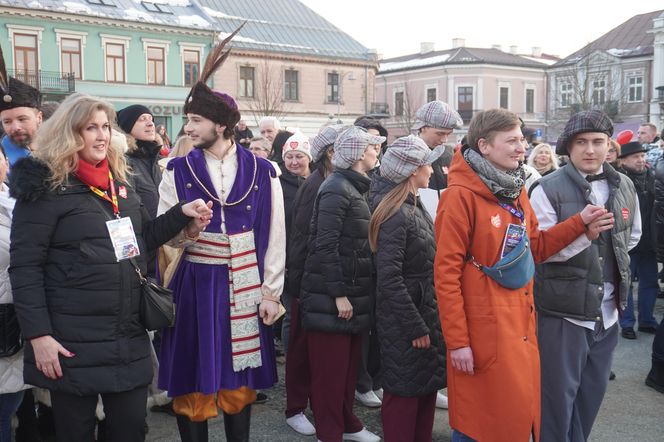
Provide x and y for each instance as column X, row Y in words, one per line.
column 596, row 177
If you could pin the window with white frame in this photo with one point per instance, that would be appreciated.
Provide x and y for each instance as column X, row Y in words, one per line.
column 156, row 61
column 635, row 88
column 247, row 81
column 530, row 100
column 71, row 44
column 291, row 85
column 432, row 94
column 504, row 97
column 332, row 87
column 598, row 92
column 192, row 66
column 398, row 103
column 566, row 91
column 115, row 57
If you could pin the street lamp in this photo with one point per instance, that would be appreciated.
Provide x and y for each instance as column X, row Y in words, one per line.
column 351, row 77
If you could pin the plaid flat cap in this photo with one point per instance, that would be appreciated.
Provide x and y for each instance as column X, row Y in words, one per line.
column 351, row 144
column 325, row 138
column 582, row 122
column 405, row 155
column 437, row 114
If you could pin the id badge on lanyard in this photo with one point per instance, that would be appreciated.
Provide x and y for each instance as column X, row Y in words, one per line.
column 120, row 229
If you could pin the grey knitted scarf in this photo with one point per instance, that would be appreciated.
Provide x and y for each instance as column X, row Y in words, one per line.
column 505, row 185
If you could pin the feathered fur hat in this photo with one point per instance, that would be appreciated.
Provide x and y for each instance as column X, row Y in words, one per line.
column 15, row 93
column 213, row 105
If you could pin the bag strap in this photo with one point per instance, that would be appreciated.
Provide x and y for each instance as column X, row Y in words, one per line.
column 133, row 262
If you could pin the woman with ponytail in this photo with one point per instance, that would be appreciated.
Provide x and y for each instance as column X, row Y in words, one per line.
column 411, row 343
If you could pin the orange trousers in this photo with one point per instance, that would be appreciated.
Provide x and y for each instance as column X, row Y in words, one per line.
column 199, row 407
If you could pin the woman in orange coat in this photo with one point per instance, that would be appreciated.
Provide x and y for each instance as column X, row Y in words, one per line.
column 493, row 359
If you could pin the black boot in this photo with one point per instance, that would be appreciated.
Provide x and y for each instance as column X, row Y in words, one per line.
column 191, row 431
column 655, row 378
column 237, row 425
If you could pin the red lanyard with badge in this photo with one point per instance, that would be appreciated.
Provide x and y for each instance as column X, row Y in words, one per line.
column 120, row 229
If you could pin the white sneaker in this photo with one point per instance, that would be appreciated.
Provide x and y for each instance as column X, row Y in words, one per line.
column 441, row 400
column 379, row 394
column 301, row 424
column 368, row 399
column 363, row 435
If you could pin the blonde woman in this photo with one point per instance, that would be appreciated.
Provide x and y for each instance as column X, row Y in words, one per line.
column 543, row 159
column 411, row 343
column 75, row 291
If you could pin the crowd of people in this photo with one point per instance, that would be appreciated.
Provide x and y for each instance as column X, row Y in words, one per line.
column 515, row 292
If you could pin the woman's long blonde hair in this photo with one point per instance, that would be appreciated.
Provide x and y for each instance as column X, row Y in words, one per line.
column 552, row 155
column 387, row 207
column 59, row 139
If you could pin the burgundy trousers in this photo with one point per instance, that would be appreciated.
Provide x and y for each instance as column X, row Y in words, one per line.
column 333, row 359
column 408, row 419
column 298, row 375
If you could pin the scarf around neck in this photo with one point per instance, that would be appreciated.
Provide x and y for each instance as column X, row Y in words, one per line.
column 506, row 186
column 95, row 176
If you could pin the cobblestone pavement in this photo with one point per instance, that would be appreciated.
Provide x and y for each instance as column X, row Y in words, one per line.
column 630, row 412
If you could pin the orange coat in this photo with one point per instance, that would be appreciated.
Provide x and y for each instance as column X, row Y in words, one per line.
column 501, row 400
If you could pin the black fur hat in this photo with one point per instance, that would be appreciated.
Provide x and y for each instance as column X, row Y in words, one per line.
column 213, row 105
column 15, row 93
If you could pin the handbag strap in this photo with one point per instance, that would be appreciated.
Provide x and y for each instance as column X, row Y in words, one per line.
column 131, row 260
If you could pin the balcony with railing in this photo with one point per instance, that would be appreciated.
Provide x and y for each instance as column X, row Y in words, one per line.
column 46, row 81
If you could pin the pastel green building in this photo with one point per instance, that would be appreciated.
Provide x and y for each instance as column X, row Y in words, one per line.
column 124, row 51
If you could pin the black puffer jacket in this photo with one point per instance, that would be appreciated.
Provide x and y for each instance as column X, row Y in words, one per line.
column 67, row 283
column 339, row 261
column 406, row 306
column 145, row 178
column 298, row 240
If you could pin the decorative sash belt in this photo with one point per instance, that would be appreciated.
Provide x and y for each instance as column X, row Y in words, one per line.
column 238, row 252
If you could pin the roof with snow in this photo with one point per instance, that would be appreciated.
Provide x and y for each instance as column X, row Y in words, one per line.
column 456, row 56
column 630, row 39
column 179, row 13
column 286, row 26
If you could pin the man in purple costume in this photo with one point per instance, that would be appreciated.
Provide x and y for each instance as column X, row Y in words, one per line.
column 229, row 279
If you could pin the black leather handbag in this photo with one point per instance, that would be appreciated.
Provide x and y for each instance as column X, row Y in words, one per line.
column 11, row 340
column 156, row 309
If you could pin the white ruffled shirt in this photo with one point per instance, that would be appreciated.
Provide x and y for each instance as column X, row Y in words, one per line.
column 222, row 173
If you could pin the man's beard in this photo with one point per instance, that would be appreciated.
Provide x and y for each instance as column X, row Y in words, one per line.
column 27, row 140
column 209, row 142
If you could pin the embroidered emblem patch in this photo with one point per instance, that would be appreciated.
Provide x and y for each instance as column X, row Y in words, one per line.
column 625, row 213
column 495, row 221
column 294, row 144
column 122, row 191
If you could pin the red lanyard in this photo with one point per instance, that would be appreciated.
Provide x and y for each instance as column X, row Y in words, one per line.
column 113, row 199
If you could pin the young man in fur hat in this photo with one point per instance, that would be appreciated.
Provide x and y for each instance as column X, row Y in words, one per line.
column 19, row 114
column 228, row 282
column 579, row 291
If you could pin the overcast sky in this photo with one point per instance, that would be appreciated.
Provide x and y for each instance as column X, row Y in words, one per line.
column 558, row 27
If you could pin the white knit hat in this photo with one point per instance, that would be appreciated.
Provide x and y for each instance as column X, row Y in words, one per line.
column 299, row 142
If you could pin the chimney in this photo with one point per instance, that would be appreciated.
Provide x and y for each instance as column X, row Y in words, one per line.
column 514, row 49
column 458, row 42
column 499, row 47
column 426, row 46
column 537, row 51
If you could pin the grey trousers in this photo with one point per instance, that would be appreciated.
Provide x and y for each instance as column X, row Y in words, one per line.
column 575, row 365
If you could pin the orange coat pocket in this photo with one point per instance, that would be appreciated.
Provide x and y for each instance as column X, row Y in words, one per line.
column 483, row 340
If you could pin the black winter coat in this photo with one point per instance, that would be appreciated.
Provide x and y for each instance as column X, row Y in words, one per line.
column 644, row 184
column 339, row 262
column 406, row 306
column 659, row 209
column 298, row 240
column 145, row 179
column 67, row 283
column 290, row 183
